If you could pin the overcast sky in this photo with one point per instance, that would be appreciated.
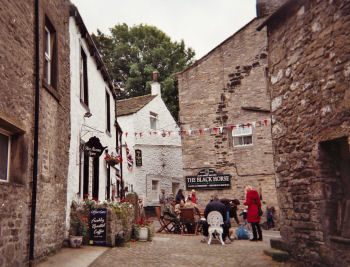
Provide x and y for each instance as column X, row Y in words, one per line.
column 202, row 24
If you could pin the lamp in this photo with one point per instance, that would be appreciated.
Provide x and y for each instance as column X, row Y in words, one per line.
column 87, row 114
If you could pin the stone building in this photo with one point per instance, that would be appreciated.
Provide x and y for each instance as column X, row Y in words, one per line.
column 225, row 111
column 152, row 137
column 34, row 135
column 93, row 118
column 309, row 69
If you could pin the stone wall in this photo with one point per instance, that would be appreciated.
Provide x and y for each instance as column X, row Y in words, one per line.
column 17, row 78
column 228, row 87
column 309, row 68
column 16, row 109
column 54, row 136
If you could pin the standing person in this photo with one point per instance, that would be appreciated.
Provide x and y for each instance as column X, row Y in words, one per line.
column 193, row 196
column 162, row 201
column 253, row 202
column 269, row 216
column 179, row 196
column 215, row 205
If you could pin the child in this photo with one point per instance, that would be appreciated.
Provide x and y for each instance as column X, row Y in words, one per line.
column 244, row 214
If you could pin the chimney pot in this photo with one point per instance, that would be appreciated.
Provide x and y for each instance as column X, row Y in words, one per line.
column 155, row 78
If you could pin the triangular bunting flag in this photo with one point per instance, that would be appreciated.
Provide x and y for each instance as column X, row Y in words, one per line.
column 254, row 124
column 140, row 134
column 232, row 126
column 216, row 130
column 200, row 131
column 169, row 133
column 265, row 121
column 221, row 128
column 248, row 124
column 126, row 134
column 184, row 132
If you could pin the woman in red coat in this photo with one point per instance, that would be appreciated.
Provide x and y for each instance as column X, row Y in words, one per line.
column 253, row 201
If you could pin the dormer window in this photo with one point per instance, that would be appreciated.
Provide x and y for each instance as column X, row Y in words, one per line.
column 153, row 121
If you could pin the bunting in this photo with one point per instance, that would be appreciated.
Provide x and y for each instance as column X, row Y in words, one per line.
column 201, row 131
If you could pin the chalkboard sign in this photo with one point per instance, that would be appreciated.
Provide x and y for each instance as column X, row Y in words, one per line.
column 138, row 157
column 98, row 226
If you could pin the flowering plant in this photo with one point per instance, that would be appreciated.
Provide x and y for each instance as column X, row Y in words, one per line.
column 112, row 160
column 143, row 223
column 80, row 225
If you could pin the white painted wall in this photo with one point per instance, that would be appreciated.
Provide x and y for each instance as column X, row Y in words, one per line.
column 97, row 104
column 161, row 156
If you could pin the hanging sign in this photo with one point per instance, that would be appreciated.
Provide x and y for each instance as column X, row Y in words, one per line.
column 208, row 179
column 98, row 226
column 138, row 157
column 93, row 147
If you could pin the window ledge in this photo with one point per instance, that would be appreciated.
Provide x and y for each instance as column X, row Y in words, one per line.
column 339, row 239
column 11, row 184
column 52, row 91
column 242, row 146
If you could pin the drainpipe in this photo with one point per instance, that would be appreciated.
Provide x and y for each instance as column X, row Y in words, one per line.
column 36, row 134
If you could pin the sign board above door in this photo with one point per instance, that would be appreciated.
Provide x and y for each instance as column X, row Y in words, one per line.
column 208, row 179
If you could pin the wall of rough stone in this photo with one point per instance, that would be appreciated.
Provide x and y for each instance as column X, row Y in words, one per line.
column 17, row 79
column 16, row 106
column 54, row 137
column 309, row 66
column 213, row 93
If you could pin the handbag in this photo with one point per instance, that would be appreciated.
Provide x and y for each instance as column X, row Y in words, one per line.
column 260, row 212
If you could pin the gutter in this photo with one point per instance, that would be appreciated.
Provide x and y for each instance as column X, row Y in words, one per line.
column 36, row 135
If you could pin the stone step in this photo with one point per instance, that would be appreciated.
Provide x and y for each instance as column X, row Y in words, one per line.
column 277, row 243
column 277, row 255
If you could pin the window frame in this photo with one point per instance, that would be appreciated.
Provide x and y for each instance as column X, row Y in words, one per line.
column 83, row 77
column 242, row 135
column 5, row 133
column 108, row 112
column 153, row 116
column 50, row 55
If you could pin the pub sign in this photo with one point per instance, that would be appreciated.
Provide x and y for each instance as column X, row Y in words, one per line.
column 208, row 179
column 93, row 147
column 138, row 157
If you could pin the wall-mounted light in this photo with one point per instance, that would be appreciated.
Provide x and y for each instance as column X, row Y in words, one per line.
column 87, row 114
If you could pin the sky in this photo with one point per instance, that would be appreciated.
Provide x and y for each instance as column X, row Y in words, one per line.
column 202, row 24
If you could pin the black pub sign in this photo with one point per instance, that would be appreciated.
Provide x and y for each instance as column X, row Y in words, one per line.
column 208, row 179
column 98, row 226
column 138, row 157
column 93, row 147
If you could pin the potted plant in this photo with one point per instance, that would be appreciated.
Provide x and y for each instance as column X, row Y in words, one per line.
column 144, row 230
column 79, row 228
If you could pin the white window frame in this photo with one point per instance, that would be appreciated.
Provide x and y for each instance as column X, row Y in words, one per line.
column 48, row 55
column 154, row 117
column 8, row 155
column 242, row 132
column 155, row 193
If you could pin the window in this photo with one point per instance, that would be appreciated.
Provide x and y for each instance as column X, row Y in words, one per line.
column 85, row 175
column 108, row 113
column 84, row 93
column 242, row 136
column 153, row 121
column 4, row 156
column 155, row 190
column 50, row 54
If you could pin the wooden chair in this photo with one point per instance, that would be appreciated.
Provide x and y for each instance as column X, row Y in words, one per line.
column 166, row 226
column 215, row 221
column 187, row 219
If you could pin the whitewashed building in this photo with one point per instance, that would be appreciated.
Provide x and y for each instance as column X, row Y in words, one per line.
column 92, row 118
column 150, row 130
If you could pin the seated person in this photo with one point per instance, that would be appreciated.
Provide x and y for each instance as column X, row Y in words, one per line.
column 215, row 205
column 178, row 207
column 189, row 204
column 170, row 214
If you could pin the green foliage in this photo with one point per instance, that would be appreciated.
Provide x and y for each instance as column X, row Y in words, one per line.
column 133, row 53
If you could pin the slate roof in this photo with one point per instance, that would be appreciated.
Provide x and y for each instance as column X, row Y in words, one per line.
column 132, row 105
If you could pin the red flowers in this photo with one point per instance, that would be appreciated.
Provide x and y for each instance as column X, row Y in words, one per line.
column 143, row 223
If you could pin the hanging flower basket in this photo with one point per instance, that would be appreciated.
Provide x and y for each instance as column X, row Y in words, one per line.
column 112, row 160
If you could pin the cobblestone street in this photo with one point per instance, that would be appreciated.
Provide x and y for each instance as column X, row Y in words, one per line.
column 177, row 250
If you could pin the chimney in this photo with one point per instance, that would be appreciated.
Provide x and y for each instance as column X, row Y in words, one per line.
column 155, row 76
column 155, row 85
column 267, row 7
